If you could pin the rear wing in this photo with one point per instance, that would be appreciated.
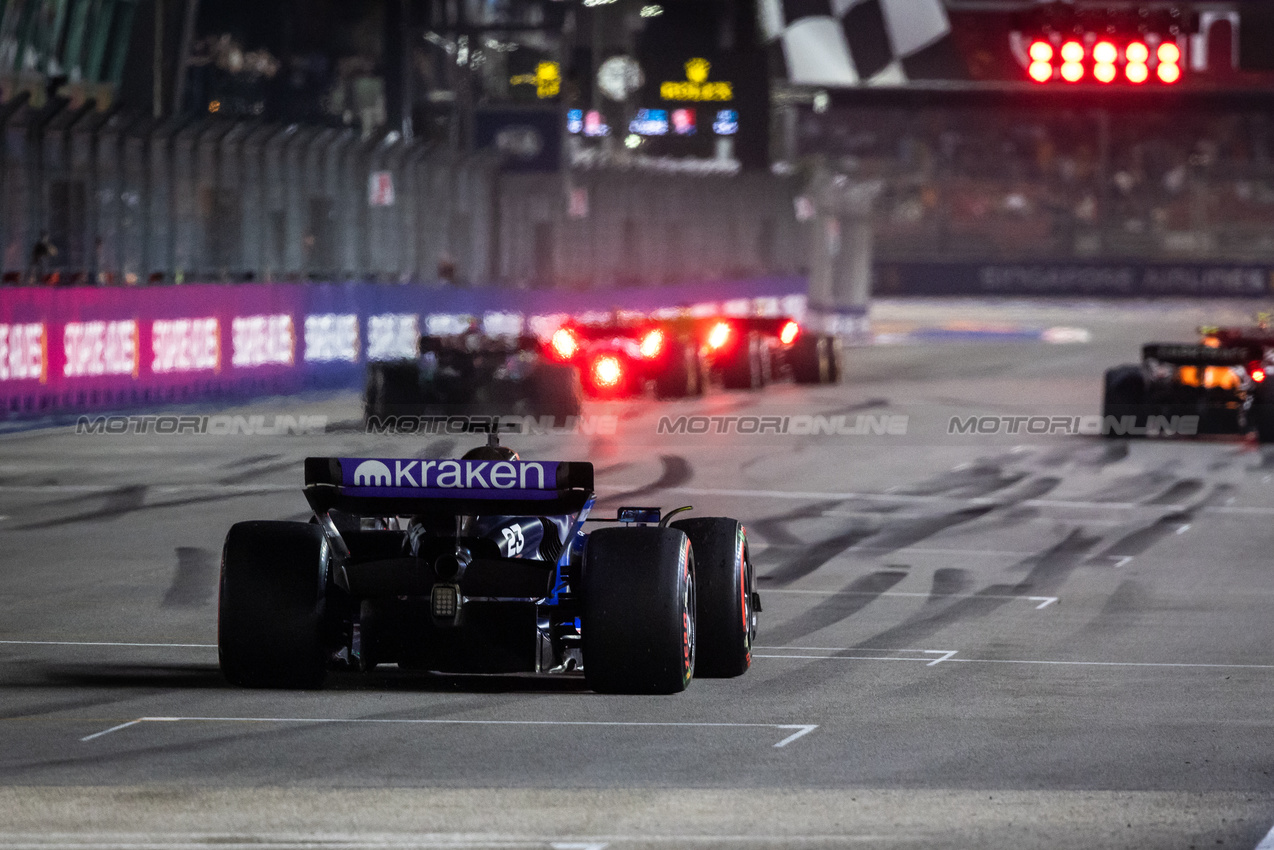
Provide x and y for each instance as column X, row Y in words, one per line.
column 405, row 486
column 698, row 326
column 1202, row 355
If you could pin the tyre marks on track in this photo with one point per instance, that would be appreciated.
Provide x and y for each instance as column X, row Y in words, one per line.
column 834, row 609
column 194, row 582
column 676, row 472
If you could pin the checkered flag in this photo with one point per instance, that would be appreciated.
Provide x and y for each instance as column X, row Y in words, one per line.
column 861, row 42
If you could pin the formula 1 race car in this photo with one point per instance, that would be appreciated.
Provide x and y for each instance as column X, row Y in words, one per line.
column 482, row 565
column 1218, row 386
column 472, row 373
column 680, row 356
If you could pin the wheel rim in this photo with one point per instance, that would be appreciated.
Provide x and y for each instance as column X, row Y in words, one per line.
column 688, row 624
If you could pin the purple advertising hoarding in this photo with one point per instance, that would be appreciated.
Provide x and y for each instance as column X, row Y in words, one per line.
column 93, row 348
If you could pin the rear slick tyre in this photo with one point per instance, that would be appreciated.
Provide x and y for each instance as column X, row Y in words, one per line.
column 639, row 612
column 271, row 612
column 725, row 584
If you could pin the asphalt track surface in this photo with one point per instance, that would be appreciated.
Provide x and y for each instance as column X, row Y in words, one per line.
column 967, row 640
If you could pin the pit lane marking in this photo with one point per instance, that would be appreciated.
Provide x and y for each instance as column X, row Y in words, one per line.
column 811, row 495
column 800, row 729
column 104, row 643
column 1267, row 843
column 1044, row 601
column 950, row 656
column 943, row 654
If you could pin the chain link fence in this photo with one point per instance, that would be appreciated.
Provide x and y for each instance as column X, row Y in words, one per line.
column 128, row 200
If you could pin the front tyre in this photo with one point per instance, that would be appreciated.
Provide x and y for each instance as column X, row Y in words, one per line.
column 726, row 588
column 639, row 612
column 271, row 613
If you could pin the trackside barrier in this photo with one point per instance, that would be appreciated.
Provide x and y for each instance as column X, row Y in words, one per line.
column 87, row 348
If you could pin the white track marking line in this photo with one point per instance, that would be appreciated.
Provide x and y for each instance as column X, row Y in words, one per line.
column 110, row 730
column 1120, row 560
column 811, row 495
column 1184, row 528
column 104, row 643
column 800, row 731
column 434, row 841
column 950, row 656
column 1267, row 843
column 1045, row 600
column 945, row 656
column 807, row 728
column 153, row 488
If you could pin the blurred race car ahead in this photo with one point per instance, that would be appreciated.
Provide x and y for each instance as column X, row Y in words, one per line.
column 474, row 373
column 1219, row 385
column 681, row 356
column 482, row 565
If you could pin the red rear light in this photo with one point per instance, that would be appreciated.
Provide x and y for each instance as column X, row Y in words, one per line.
column 787, row 335
column 1041, row 72
column 1041, row 51
column 652, row 344
column 719, row 335
column 564, row 344
column 1258, row 375
column 1257, row 370
column 607, row 371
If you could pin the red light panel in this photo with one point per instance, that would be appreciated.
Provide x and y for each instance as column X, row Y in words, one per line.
column 1169, row 53
column 1137, row 53
column 1072, row 52
column 1072, row 72
column 1105, row 53
column 1137, row 73
column 1105, row 72
column 1169, row 73
column 1041, row 51
column 1041, row 72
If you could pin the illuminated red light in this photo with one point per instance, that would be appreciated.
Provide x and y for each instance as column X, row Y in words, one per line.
column 1105, row 53
column 1137, row 72
column 651, row 344
column 1041, row 72
column 1105, row 72
column 607, row 371
column 719, row 335
column 1041, row 51
column 1137, row 53
column 1169, row 73
column 564, row 343
column 1072, row 51
column 1258, row 375
column 787, row 335
column 1169, row 53
column 1072, row 72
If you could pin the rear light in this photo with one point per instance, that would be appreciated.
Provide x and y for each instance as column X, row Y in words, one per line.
column 652, row 344
column 719, row 335
column 787, row 335
column 1256, row 370
column 564, row 344
column 607, row 371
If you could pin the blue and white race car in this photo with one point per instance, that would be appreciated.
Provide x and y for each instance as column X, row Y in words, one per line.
column 482, row 565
